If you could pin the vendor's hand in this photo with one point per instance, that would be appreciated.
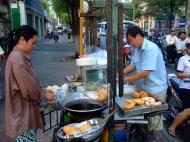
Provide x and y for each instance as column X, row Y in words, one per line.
column 49, row 95
column 188, row 76
column 125, row 80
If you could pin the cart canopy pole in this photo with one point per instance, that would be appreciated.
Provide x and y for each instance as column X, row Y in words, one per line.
column 111, row 40
column 120, row 48
column 112, row 50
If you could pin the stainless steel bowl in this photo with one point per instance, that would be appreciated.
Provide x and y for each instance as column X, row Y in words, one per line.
column 88, row 135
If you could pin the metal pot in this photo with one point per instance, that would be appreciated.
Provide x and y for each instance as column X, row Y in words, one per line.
column 79, row 104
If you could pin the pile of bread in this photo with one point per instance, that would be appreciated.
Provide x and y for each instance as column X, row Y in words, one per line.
column 102, row 94
column 71, row 129
column 141, row 98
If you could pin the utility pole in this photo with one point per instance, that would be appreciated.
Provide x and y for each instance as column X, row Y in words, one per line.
column 81, row 48
column 22, row 9
column 188, row 17
column 133, row 10
column 120, row 47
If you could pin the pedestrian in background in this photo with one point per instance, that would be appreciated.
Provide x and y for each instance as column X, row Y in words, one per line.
column 180, row 46
column 171, row 41
column 23, row 90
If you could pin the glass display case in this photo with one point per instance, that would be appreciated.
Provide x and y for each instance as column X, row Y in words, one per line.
column 94, row 76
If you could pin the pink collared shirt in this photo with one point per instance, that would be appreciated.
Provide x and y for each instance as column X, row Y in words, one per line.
column 23, row 94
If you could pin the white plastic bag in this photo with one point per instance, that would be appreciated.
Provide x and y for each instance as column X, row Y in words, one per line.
column 1, row 51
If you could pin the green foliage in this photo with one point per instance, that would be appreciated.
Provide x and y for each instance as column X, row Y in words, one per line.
column 165, row 8
column 64, row 18
column 60, row 6
column 46, row 7
column 62, row 10
column 138, row 11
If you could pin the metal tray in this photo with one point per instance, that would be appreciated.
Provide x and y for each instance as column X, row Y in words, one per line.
column 139, row 109
column 88, row 135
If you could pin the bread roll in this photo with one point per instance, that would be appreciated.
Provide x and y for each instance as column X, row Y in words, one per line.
column 139, row 101
column 129, row 104
column 102, row 94
column 85, row 127
column 144, row 94
column 147, row 104
column 136, row 95
column 69, row 130
column 158, row 103
column 149, row 99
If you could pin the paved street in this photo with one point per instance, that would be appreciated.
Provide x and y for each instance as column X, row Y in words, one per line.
column 51, row 67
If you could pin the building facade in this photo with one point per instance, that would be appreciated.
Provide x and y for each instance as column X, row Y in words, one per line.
column 5, row 22
column 31, row 13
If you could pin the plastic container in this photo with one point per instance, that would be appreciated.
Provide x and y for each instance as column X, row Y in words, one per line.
column 120, row 135
column 69, row 35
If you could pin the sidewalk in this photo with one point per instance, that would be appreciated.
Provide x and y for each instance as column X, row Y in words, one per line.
column 52, row 69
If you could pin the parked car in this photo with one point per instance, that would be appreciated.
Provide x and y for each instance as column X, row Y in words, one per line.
column 59, row 29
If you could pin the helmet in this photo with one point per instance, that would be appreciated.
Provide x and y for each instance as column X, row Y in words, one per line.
column 187, row 45
column 172, row 30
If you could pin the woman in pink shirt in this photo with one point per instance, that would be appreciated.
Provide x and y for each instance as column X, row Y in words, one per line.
column 23, row 90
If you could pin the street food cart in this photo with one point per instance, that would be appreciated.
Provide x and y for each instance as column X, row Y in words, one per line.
column 137, row 116
column 81, row 104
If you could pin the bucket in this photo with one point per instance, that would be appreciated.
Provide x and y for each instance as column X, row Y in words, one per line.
column 69, row 35
column 120, row 135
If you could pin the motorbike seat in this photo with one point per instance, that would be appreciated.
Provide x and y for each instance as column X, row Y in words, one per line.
column 175, row 83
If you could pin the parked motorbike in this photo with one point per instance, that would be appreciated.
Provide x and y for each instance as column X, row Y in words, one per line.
column 167, row 52
column 49, row 35
column 175, row 105
column 158, row 41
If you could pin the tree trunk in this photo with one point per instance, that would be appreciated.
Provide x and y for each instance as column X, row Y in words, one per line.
column 69, row 15
column 171, row 14
column 75, row 26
